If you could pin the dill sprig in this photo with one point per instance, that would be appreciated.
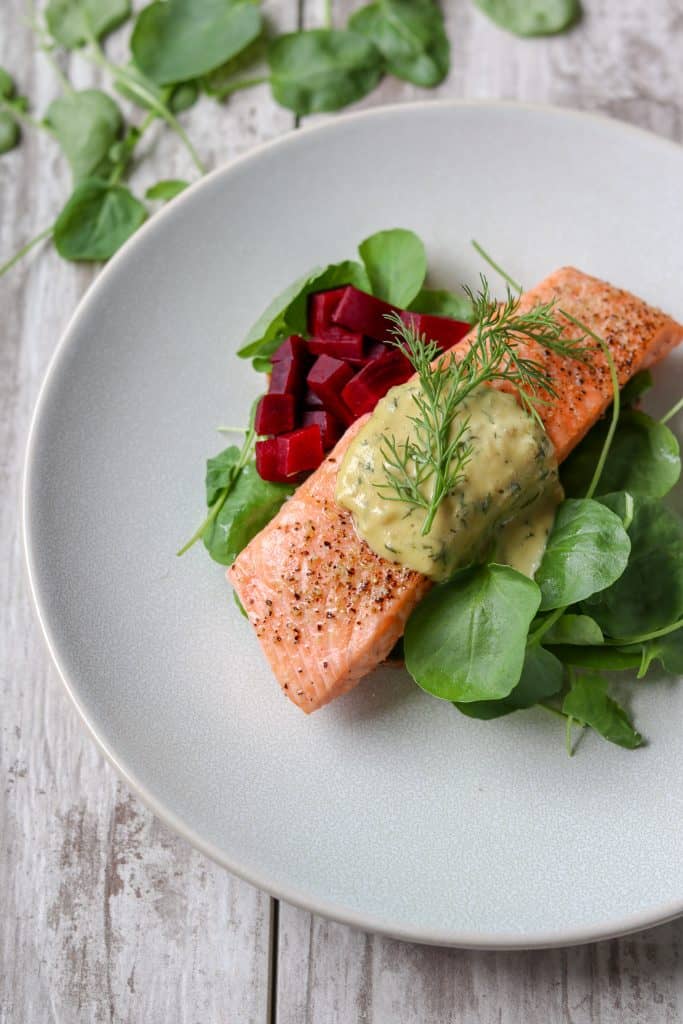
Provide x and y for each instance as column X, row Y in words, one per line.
column 422, row 470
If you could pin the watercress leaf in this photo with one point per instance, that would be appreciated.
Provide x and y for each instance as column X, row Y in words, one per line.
column 541, row 677
column 222, row 80
column 10, row 133
column 177, row 40
column 649, row 594
column 589, row 703
column 250, row 505
column 575, row 629
column 441, row 302
column 635, row 388
column 532, row 17
column 262, row 364
column 220, row 471
column 396, row 264
column 287, row 313
column 6, row 85
column 411, row 37
column 72, row 22
column 97, row 220
column 183, row 96
column 86, row 124
column 587, row 551
column 466, row 640
column 166, row 189
column 644, row 458
column 322, row 69
column 668, row 650
column 609, row 659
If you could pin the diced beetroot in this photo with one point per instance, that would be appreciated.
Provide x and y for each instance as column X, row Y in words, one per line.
column 311, row 400
column 321, row 306
column 326, row 379
column 441, row 329
column 375, row 350
column 338, row 343
column 300, row 451
column 330, row 428
column 358, row 311
column 275, row 414
column 363, row 391
column 287, row 377
column 293, row 347
column 268, row 460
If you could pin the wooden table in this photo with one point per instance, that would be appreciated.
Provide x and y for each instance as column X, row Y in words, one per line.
column 105, row 915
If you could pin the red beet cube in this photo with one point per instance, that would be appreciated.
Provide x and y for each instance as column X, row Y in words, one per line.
column 300, row 451
column 311, row 400
column 363, row 391
column 275, row 414
column 330, row 428
column 441, row 329
column 375, row 350
column 338, row 343
column 268, row 460
column 293, row 347
column 358, row 311
column 326, row 379
column 321, row 306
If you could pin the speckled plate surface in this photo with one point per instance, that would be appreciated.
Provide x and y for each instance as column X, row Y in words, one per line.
column 387, row 809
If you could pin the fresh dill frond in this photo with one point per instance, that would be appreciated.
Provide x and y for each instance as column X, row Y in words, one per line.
column 422, row 470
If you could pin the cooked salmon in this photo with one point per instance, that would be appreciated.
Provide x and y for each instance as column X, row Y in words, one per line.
column 326, row 609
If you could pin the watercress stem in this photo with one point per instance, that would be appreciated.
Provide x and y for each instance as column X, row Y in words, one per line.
column 568, row 735
column 200, row 531
column 672, row 412
column 496, row 266
column 4, row 267
column 327, row 14
column 644, row 637
column 616, row 401
column 23, row 119
column 99, row 57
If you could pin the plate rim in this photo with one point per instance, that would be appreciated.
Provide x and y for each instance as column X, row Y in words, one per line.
column 454, row 938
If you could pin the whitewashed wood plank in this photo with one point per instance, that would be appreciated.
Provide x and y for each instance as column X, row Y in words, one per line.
column 105, row 914
column 623, row 60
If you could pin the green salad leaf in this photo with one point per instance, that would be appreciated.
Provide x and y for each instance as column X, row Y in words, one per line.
column 667, row 650
column 634, row 389
column 644, row 458
column 322, row 69
column 440, row 302
column 608, row 659
column 578, row 630
column 396, row 264
column 532, row 17
column 250, row 504
column 411, row 37
column 466, row 641
column 10, row 132
column 177, row 40
column 589, row 703
column 97, row 220
column 542, row 677
column 587, row 551
column 183, row 96
column 649, row 594
column 86, row 124
column 73, row 22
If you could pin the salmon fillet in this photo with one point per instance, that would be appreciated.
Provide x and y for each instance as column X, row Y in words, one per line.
column 326, row 609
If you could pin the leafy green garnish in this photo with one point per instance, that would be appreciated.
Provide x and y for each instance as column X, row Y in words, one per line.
column 532, row 17
column 166, row 189
column 75, row 22
column 466, row 640
column 10, row 132
column 322, row 69
column 589, row 703
column 411, row 37
column 542, row 677
column 578, row 630
column 668, row 650
column 644, row 458
column 587, row 551
column 635, row 388
column 177, row 40
column 97, row 220
column 86, row 124
column 609, row 659
column 396, row 264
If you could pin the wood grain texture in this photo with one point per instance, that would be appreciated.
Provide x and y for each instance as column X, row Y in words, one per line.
column 624, row 60
column 105, row 915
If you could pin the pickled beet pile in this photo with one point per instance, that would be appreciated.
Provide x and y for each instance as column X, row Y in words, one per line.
column 320, row 385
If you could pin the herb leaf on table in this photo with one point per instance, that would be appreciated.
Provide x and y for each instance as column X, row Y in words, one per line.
column 86, row 124
column 10, row 133
column 410, row 35
column 466, row 641
column 532, row 17
column 322, row 69
column 74, row 22
column 166, row 189
column 96, row 221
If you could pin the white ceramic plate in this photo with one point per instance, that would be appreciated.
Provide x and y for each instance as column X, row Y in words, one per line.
column 387, row 810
